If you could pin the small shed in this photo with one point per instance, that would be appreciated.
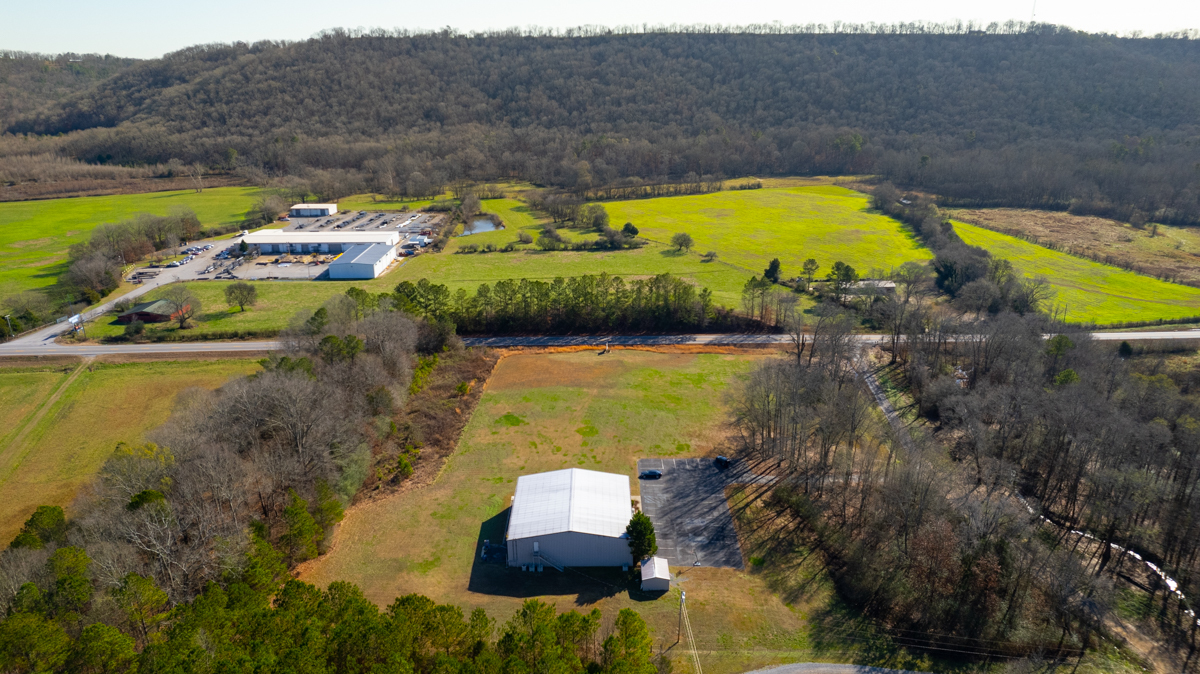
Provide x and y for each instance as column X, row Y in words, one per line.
column 656, row 577
column 158, row 311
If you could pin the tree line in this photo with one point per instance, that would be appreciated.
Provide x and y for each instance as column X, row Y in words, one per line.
column 601, row 303
column 1111, row 133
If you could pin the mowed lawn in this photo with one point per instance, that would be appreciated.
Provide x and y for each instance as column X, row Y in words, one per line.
column 81, row 424
column 550, row 411
column 748, row 228
column 35, row 235
column 1091, row 292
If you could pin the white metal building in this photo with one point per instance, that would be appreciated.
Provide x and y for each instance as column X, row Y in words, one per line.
column 336, row 241
column 363, row 261
column 313, row 210
column 571, row 517
column 656, row 575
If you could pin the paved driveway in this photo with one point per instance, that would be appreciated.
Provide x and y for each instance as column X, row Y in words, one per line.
column 691, row 517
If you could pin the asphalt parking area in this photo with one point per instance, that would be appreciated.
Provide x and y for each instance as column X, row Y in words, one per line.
column 691, row 516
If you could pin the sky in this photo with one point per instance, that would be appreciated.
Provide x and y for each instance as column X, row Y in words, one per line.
column 151, row 28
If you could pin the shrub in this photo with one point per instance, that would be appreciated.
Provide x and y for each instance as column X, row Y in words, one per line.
column 135, row 329
column 524, row 237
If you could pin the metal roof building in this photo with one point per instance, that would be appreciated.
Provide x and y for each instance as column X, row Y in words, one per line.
column 571, row 517
column 313, row 210
column 364, row 261
column 336, row 241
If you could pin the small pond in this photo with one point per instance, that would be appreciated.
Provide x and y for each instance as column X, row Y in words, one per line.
column 481, row 225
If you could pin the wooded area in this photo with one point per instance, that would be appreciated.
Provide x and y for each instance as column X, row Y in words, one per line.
column 1066, row 428
column 1019, row 115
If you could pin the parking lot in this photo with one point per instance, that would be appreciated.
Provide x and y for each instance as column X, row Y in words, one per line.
column 366, row 221
column 691, row 516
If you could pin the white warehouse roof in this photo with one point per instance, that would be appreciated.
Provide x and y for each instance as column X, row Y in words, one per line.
column 363, row 254
column 574, row 499
column 331, row 207
column 279, row 236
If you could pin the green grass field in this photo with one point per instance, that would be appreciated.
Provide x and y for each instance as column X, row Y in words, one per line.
column 749, row 228
column 1091, row 292
column 550, row 411
column 35, row 235
column 81, row 424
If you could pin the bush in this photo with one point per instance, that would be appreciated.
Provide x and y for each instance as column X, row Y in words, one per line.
column 135, row 329
column 524, row 237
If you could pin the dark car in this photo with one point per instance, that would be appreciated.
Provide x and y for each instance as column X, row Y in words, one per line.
column 722, row 462
column 650, row 475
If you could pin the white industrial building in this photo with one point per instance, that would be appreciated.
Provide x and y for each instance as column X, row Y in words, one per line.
column 571, row 517
column 313, row 210
column 335, row 241
column 656, row 575
column 364, row 261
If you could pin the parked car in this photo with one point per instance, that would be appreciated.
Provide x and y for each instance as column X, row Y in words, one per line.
column 173, row 264
column 650, row 475
column 722, row 462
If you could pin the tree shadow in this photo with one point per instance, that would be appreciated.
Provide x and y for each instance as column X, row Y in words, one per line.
column 493, row 576
column 672, row 252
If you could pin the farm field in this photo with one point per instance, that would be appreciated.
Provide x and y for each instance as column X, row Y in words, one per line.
column 1090, row 291
column 60, row 423
column 748, row 228
column 549, row 411
column 1172, row 252
column 35, row 235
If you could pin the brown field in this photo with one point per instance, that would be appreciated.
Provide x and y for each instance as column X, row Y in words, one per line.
column 1173, row 253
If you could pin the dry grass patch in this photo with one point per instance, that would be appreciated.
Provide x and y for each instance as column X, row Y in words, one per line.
column 1170, row 252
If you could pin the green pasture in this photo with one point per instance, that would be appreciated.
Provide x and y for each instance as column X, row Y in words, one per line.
column 748, row 228
column 35, row 235
column 1091, row 292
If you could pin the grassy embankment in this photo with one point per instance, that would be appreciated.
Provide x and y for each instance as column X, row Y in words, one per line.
column 55, row 438
column 1091, row 292
column 35, row 235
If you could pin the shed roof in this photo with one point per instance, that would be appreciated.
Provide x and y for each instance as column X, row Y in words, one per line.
column 575, row 500
column 329, row 206
column 656, row 567
column 363, row 254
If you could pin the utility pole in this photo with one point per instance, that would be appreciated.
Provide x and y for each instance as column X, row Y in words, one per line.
column 682, row 597
column 7, row 318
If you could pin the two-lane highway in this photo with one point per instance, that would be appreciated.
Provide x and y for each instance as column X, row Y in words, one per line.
column 46, row 346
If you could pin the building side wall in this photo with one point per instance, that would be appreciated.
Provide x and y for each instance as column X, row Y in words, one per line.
column 571, row 549
column 656, row 585
column 351, row 271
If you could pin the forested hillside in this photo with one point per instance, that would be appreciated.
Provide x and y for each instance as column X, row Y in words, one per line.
column 28, row 82
column 1018, row 115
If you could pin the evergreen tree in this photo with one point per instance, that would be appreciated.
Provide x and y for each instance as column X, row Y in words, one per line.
column 642, row 542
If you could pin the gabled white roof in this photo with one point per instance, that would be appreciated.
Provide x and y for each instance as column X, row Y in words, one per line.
column 656, row 567
column 582, row 501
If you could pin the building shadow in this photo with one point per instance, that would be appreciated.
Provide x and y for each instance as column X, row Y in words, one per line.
column 491, row 574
